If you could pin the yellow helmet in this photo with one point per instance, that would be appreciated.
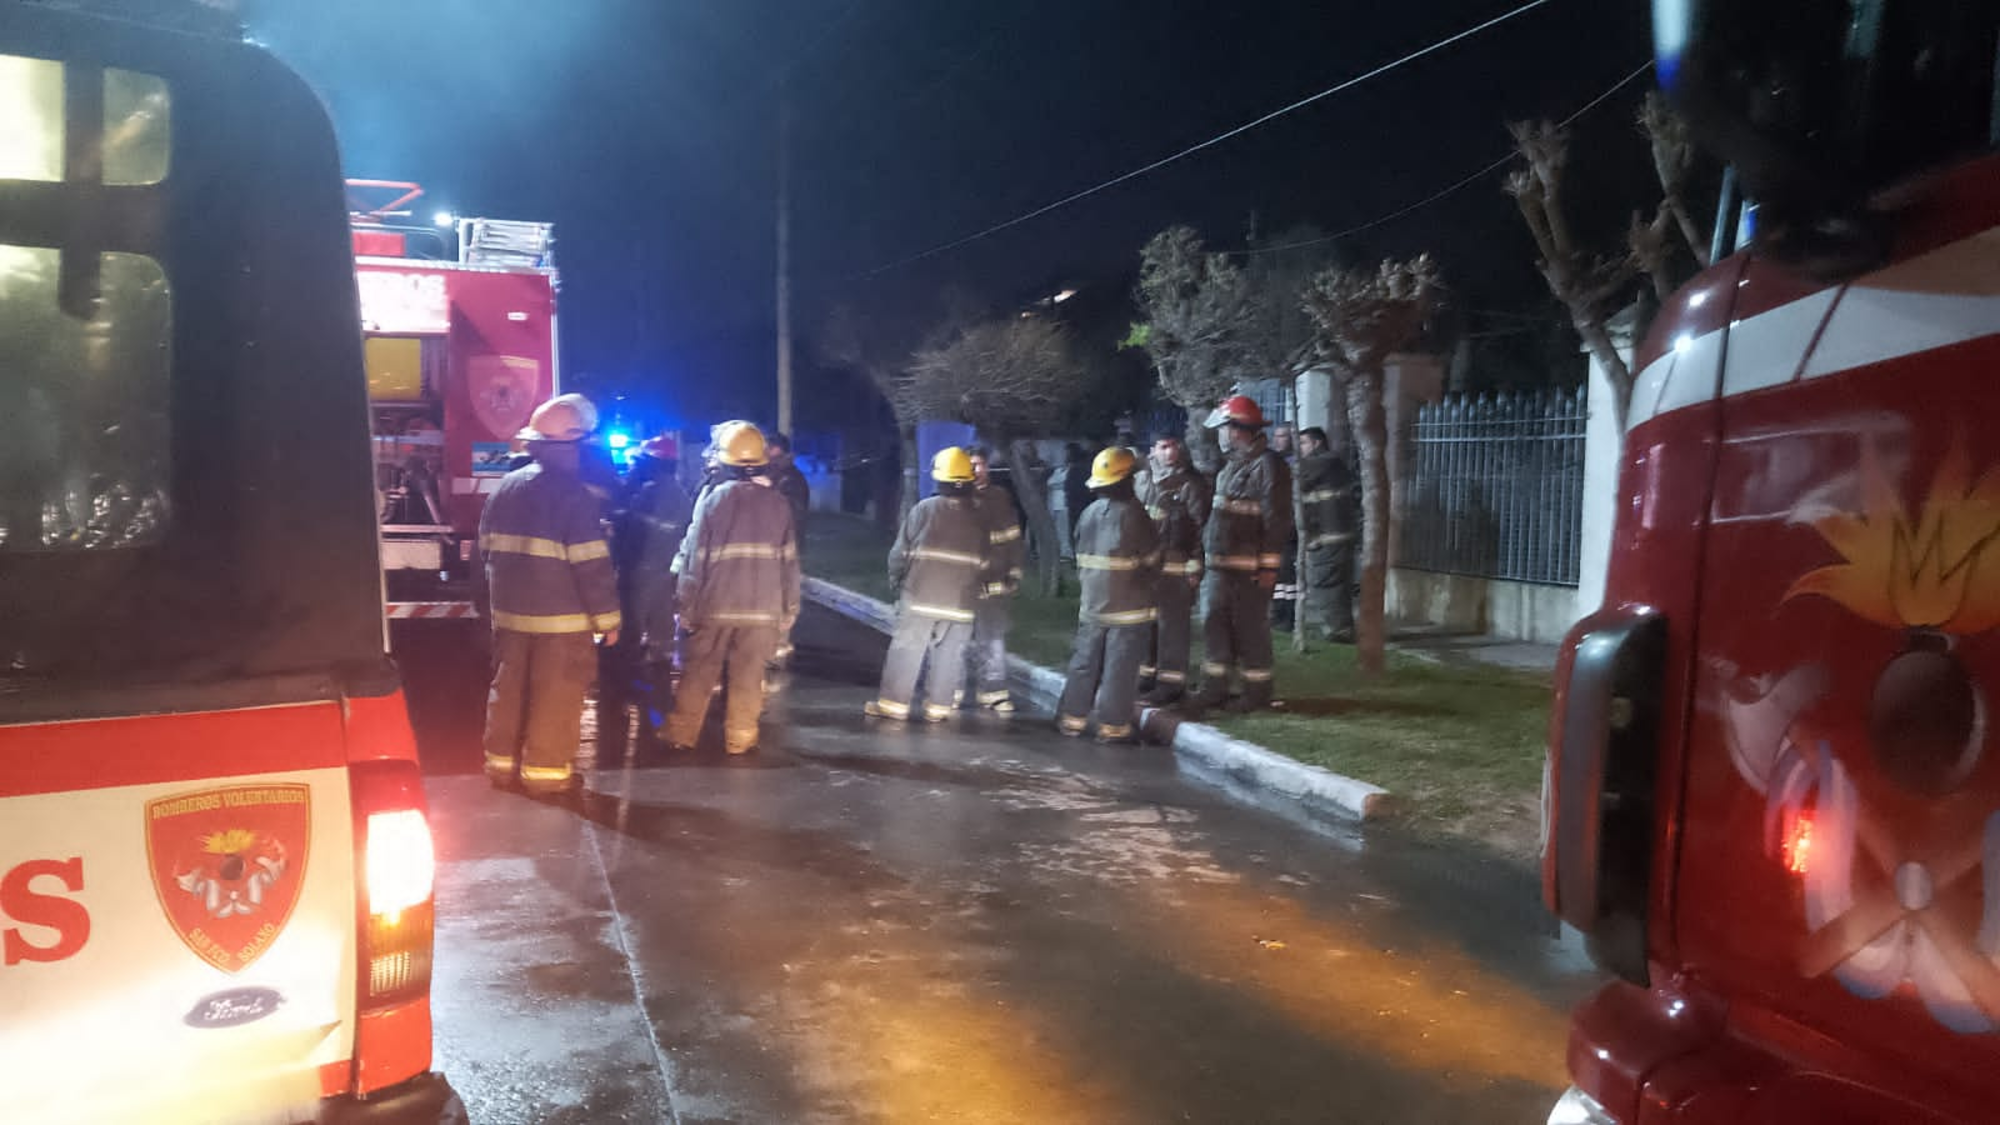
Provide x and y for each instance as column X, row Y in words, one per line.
column 740, row 445
column 562, row 418
column 952, row 465
column 1112, row 465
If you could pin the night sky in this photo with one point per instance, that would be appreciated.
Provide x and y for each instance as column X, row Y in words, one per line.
column 647, row 131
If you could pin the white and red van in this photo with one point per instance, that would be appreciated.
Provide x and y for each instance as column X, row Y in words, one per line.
column 215, row 859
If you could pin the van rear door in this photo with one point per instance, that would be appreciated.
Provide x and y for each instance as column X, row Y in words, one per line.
column 214, row 886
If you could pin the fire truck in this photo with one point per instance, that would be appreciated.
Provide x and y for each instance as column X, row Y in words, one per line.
column 459, row 348
column 1773, row 806
column 215, row 857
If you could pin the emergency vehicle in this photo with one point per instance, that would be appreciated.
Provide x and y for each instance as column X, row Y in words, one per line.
column 1774, row 798
column 215, row 858
column 459, row 348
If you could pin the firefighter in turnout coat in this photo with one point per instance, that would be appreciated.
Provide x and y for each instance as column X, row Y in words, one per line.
column 1176, row 497
column 939, row 564
column 551, row 587
column 1248, row 526
column 1006, row 553
column 1329, row 512
column 738, row 588
column 1118, row 559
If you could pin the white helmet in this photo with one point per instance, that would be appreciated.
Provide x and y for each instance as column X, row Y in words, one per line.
column 563, row 418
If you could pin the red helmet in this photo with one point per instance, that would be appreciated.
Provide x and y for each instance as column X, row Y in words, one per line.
column 664, row 447
column 1239, row 409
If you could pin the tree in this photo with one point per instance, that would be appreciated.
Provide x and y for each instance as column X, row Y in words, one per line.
column 1359, row 320
column 1012, row 380
column 1594, row 287
column 852, row 342
column 1193, row 302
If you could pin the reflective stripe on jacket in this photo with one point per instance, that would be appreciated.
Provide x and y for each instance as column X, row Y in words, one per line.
column 1006, row 548
column 548, row 565
column 739, row 564
column 1118, row 559
column 1177, row 501
column 1327, row 500
column 1252, row 516
column 941, row 558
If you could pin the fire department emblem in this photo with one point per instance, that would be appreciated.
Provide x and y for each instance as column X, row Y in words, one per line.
column 503, row 392
column 1897, row 859
column 227, row 865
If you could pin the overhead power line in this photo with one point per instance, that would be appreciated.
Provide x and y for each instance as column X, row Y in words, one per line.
column 1455, row 186
column 1211, row 142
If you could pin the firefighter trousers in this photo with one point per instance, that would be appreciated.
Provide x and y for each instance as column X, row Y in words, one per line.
column 1103, row 680
column 1237, row 635
column 1329, row 590
column 1173, row 633
column 920, row 640
column 534, row 710
column 989, row 651
column 733, row 657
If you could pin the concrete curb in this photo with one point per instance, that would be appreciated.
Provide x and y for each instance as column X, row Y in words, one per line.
column 1245, row 763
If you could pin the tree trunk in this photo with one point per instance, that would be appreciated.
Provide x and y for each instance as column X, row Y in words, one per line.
column 1369, row 424
column 908, row 499
column 1034, row 495
column 1204, row 452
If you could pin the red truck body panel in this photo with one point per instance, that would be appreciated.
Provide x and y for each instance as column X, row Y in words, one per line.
column 1811, row 500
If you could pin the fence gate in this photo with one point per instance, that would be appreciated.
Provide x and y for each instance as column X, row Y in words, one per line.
column 1496, row 487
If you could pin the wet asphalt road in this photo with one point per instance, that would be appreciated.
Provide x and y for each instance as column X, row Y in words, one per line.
column 981, row 923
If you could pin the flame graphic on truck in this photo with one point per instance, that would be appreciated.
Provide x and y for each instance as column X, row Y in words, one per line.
column 1931, row 572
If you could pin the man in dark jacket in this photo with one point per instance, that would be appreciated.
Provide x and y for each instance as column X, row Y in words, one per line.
column 1249, row 523
column 1176, row 497
column 1005, row 555
column 938, row 565
column 1328, row 513
column 551, row 587
column 788, row 480
column 656, row 520
column 738, row 578
column 1117, row 556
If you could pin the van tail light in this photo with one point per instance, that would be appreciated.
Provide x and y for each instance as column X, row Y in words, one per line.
column 396, row 916
column 398, row 864
column 397, row 881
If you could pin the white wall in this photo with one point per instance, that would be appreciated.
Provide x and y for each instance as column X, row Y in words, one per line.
column 1603, row 450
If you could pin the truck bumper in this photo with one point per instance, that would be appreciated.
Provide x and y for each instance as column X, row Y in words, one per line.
column 1678, row 1056
column 427, row 1099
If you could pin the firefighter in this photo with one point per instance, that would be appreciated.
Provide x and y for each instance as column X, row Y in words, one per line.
column 738, row 588
column 1176, row 497
column 1005, row 550
column 1328, row 514
column 550, row 580
column 1285, row 595
column 939, row 566
column 1249, row 521
column 659, row 514
column 1118, row 558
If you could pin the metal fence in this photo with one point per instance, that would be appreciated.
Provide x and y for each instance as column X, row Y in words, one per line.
column 1495, row 487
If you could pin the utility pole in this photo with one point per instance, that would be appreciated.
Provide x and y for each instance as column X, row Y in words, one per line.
column 784, row 270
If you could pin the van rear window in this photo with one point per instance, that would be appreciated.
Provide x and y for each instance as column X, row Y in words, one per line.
column 86, row 465
column 84, row 334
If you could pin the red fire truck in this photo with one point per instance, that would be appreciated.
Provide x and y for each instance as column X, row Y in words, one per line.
column 1772, row 809
column 459, row 349
column 215, row 857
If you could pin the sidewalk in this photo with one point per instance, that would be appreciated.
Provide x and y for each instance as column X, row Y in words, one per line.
column 1473, row 649
column 1454, row 731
